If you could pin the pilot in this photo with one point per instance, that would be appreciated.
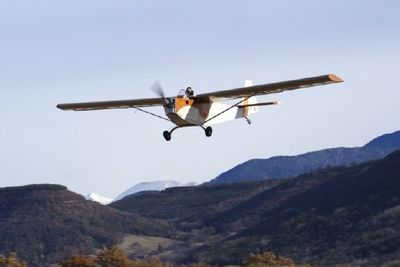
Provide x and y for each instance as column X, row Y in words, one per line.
column 189, row 92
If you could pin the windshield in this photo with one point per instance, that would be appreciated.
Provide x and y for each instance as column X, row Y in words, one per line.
column 181, row 92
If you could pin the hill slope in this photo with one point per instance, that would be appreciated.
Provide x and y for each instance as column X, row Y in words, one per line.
column 291, row 166
column 46, row 223
column 190, row 204
column 151, row 186
column 334, row 216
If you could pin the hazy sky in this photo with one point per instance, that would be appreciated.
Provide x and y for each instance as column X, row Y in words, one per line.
column 67, row 51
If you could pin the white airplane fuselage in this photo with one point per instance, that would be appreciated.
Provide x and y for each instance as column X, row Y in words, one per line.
column 184, row 111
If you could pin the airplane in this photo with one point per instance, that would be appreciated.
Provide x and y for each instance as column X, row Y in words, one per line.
column 202, row 110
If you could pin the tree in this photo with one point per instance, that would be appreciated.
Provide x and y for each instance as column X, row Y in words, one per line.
column 199, row 265
column 268, row 259
column 78, row 261
column 11, row 261
column 114, row 257
column 153, row 262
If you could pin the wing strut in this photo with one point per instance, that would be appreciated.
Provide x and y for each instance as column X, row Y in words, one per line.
column 151, row 113
column 231, row 107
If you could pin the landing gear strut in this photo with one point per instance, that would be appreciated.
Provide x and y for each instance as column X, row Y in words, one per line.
column 248, row 120
column 167, row 134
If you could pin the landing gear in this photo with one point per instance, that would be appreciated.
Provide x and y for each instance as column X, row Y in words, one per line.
column 208, row 131
column 167, row 135
column 248, row 120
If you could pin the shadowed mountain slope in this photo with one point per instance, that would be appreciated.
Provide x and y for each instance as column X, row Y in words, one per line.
column 190, row 204
column 334, row 216
column 291, row 166
column 338, row 215
column 46, row 223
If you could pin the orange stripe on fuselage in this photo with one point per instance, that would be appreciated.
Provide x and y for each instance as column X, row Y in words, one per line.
column 181, row 102
column 202, row 107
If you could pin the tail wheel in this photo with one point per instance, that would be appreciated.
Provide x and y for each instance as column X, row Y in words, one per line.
column 167, row 135
column 208, row 131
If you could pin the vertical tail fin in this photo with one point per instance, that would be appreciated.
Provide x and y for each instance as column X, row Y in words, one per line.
column 248, row 83
column 251, row 100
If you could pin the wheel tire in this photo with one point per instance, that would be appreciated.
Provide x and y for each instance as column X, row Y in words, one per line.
column 208, row 131
column 167, row 135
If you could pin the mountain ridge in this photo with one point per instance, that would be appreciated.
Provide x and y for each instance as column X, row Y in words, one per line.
column 349, row 210
column 338, row 215
column 290, row 166
column 45, row 223
column 158, row 185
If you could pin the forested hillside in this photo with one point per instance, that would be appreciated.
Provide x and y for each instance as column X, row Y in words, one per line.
column 337, row 215
column 46, row 223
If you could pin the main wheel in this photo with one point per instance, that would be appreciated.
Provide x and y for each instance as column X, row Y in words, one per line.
column 208, row 131
column 167, row 135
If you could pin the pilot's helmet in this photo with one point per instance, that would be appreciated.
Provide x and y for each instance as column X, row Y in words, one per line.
column 189, row 91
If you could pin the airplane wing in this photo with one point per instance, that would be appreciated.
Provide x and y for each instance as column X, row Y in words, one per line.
column 116, row 104
column 271, row 88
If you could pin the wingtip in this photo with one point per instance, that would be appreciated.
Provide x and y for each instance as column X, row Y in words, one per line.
column 61, row 106
column 335, row 78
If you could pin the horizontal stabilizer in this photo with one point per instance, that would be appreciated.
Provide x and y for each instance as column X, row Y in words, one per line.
column 259, row 104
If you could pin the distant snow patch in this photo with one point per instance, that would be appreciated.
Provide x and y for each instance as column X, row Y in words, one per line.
column 151, row 186
column 99, row 198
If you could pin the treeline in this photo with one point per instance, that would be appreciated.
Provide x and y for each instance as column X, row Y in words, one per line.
column 115, row 257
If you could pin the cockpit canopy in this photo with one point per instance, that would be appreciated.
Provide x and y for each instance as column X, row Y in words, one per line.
column 188, row 92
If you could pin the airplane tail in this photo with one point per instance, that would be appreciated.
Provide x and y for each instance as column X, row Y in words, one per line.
column 250, row 105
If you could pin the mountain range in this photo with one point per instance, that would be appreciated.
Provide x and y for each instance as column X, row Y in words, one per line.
column 342, row 215
column 45, row 223
column 137, row 188
column 290, row 166
column 339, row 215
column 335, row 215
column 279, row 166
column 151, row 186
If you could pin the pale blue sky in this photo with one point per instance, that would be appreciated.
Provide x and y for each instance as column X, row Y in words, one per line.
column 67, row 51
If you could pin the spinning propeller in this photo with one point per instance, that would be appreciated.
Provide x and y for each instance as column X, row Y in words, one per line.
column 157, row 89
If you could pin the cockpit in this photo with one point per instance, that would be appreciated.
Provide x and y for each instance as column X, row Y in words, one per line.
column 187, row 93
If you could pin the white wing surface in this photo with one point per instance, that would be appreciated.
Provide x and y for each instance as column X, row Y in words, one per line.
column 271, row 88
